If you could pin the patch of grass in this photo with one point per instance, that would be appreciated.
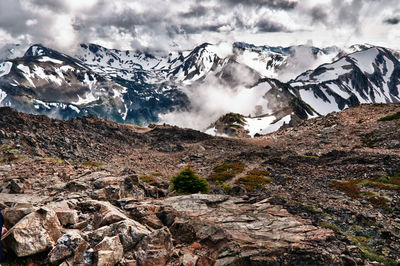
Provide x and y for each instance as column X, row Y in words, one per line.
column 390, row 117
column 9, row 153
column 379, row 202
column 333, row 227
column 156, row 174
column 381, row 182
column 251, row 182
column 233, row 118
column 51, row 159
column 148, row 179
column 308, row 156
column 393, row 180
column 92, row 164
column 348, row 187
column 362, row 243
column 187, row 182
column 226, row 171
column 379, row 104
column 226, row 187
column 258, row 172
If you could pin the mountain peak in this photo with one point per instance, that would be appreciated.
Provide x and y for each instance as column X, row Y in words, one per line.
column 37, row 50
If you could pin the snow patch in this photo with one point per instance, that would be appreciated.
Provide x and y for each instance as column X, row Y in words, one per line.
column 5, row 68
column 27, row 73
column 365, row 59
column 49, row 59
column 264, row 125
column 89, row 97
column 3, row 95
column 76, row 109
column 322, row 107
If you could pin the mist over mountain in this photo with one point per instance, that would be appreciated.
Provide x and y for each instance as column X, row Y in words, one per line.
column 194, row 88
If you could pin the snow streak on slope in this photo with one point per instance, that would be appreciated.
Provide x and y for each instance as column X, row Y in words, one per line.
column 264, row 125
column 5, row 68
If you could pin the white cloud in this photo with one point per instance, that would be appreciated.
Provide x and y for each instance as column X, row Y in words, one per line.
column 137, row 24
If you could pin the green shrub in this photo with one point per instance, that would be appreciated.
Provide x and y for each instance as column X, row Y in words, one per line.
column 187, row 182
column 390, row 117
column 226, row 187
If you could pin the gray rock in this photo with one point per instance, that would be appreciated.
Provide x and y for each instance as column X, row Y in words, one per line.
column 35, row 233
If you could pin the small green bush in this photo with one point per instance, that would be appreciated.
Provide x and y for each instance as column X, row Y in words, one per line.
column 187, row 182
column 226, row 187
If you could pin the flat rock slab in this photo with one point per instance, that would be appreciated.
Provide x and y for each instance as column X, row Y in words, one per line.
column 21, row 198
column 260, row 226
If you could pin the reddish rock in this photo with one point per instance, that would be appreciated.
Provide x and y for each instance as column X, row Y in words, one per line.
column 35, row 233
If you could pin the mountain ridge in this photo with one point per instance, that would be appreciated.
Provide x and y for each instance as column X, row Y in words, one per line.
column 138, row 87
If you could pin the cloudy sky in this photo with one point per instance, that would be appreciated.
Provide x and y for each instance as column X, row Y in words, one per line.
column 182, row 24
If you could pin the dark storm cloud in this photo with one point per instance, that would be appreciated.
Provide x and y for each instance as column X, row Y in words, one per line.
column 349, row 12
column 319, row 14
column 266, row 25
column 191, row 29
column 279, row 4
column 62, row 23
column 50, row 4
column 392, row 21
column 13, row 18
column 195, row 11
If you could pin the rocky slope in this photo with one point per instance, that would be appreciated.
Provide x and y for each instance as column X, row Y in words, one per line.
column 96, row 192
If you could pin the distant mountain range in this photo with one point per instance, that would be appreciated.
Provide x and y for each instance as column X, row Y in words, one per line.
column 293, row 83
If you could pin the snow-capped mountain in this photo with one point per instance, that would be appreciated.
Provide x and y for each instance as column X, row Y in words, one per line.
column 48, row 82
column 368, row 76
column 45, row 81
column 136, row 86
column 283, row 63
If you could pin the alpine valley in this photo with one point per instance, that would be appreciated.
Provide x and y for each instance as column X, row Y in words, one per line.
column 286, row 85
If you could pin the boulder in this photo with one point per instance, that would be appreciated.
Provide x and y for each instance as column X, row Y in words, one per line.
column 108, row 252
column 65, row 246
column 16, row 186
column 155, row 249
column 68, row 217
column 65, row 215
column 105, row 213
column 74, row 186
column 129, row 231
column 145, row 214
column 13, row 215
column 35, row 233
column 115, row 188
column 189, row 259
column 183, row 231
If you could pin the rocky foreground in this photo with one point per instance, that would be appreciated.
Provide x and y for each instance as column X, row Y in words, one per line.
column 92, row 192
